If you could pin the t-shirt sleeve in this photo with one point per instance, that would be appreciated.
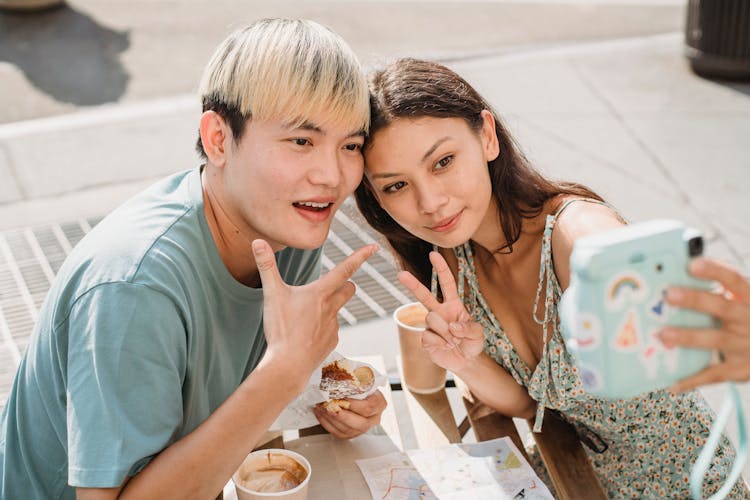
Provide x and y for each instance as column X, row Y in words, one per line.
column 126, row 363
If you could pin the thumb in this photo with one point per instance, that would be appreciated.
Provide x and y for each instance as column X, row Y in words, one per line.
column 266, row 262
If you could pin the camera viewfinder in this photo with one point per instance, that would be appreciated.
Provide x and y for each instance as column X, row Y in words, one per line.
column 695, row 246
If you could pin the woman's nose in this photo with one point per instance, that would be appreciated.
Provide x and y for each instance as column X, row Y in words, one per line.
column 431, row 197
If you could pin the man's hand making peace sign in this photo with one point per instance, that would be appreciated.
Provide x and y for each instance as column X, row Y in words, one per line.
column 301, row 328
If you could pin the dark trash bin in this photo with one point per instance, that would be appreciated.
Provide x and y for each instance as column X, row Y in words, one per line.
column 717, row 37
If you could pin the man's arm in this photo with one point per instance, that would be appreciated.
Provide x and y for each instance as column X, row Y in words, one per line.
column 199, row 464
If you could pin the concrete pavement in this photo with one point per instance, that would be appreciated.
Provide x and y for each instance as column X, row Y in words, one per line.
column 596, row 91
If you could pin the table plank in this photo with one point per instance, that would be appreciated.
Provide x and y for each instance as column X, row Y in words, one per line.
column 388, row 420
column 488, row 424
column 561, row 451
column 566, row 461
column 431, row 415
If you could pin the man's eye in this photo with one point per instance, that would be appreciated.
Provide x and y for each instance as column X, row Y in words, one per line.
column 444, row 162
column 301, row 142
column 353, row 147
column 396, row 186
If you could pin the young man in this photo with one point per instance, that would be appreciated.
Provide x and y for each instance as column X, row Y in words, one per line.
column 158, row 361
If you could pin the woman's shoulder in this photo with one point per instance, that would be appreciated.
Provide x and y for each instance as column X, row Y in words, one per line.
column 575, row 218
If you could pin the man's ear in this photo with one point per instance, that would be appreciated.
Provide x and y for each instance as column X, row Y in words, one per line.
column 214, row 134
column 489, row 136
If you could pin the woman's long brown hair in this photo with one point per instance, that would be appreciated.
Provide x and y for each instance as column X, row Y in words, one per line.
column 410, row 88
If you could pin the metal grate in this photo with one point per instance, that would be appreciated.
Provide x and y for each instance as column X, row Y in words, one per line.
column 30, row 258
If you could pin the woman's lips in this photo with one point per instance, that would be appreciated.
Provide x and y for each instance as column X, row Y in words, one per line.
column 446, row 224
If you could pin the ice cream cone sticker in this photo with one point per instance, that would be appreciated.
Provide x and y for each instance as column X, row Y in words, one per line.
column 628, row 336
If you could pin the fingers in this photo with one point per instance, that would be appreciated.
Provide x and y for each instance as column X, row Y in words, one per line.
column 266, row 262
column 436, row 324
column 707, row 302
column 420, row 292
column 469, row 330
column 710, row 375
column 346, row 268
column 341, row 296
column 371, row 406
column 330, row 422
column 432, row 342
column 445, row 276
column 703, row 338
column 357, row 419
column 728, row 276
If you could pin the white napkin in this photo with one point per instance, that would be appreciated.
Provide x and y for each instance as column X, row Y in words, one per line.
column 299, row 415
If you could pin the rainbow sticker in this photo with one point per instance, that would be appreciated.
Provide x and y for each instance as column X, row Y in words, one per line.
column 625, row 289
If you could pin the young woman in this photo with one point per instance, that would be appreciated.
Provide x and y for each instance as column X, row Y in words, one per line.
column 442, row 172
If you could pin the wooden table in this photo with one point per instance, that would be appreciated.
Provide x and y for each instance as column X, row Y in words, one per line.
column 569, row 467
column 434, row 424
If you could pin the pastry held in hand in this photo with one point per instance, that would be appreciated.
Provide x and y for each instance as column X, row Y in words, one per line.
column 299, row 415
column 342, row 378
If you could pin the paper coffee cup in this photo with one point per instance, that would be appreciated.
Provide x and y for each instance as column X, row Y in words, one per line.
column 273, row 473
column 420, row 374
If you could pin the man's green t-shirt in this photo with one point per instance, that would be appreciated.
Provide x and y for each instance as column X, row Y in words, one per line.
column 143, row 334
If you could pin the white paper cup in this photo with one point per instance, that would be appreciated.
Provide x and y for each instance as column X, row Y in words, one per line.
column 260, row 458
column 421, row 375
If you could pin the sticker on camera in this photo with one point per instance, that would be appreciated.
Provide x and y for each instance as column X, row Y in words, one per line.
column 658, row 307
column 650, row 360
column 656, row 354
column 591, row 379
column 624, row 289
column 588, row 331
column 628, row 334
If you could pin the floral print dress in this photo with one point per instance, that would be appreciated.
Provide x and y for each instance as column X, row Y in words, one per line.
column 643, row 447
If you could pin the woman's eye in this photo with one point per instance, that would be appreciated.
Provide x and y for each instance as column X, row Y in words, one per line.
column 392, row 188
column 444, row 162
column 300, row 142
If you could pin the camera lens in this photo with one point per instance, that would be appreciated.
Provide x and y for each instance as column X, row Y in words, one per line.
column 695, row 246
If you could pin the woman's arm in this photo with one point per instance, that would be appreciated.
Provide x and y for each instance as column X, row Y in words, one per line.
column 456, row 343
column 496, row 388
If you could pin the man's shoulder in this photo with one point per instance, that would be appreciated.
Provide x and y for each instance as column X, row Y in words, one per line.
column 162, row 219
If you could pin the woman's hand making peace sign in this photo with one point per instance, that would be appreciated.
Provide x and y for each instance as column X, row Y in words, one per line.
column 452, row 338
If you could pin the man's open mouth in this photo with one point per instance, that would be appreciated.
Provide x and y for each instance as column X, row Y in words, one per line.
column 311, row 205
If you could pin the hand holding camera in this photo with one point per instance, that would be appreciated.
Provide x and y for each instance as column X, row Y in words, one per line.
column 730, row 337
column 616, row 307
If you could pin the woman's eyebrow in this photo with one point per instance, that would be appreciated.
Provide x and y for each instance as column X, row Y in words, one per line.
column 384, row 175
column 434, row 147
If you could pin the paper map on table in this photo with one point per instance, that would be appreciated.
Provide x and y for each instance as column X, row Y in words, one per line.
column 487, row 470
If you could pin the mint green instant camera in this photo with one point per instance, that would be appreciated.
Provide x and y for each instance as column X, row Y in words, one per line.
column 615, row 305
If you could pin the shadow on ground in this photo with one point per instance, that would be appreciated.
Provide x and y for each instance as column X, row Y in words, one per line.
column 66, row 54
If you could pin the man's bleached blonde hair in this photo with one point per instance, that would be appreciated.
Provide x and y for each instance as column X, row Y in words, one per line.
column 289, row 69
